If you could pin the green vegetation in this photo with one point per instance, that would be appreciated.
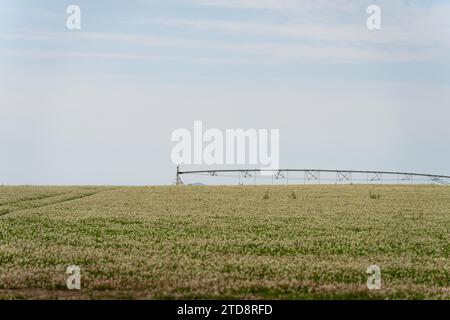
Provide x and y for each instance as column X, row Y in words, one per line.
column 312, row 242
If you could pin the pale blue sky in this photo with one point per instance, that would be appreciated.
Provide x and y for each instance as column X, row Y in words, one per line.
column 98, row 105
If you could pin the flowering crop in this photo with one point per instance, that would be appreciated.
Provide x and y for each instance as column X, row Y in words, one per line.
column 225, row 242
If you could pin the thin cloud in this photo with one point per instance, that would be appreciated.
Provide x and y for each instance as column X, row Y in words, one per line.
column 210, row 51
column 409, row 33
column 342, row 33
column 342, row 5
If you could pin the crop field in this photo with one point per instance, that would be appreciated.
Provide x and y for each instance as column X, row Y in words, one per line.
column 250, row 242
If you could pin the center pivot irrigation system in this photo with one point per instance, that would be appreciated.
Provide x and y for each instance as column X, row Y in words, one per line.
column 318, row 176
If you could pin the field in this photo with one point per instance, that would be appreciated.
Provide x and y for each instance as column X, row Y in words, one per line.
column 253, row 242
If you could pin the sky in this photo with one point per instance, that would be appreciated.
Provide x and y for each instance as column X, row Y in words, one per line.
column 98, row 105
